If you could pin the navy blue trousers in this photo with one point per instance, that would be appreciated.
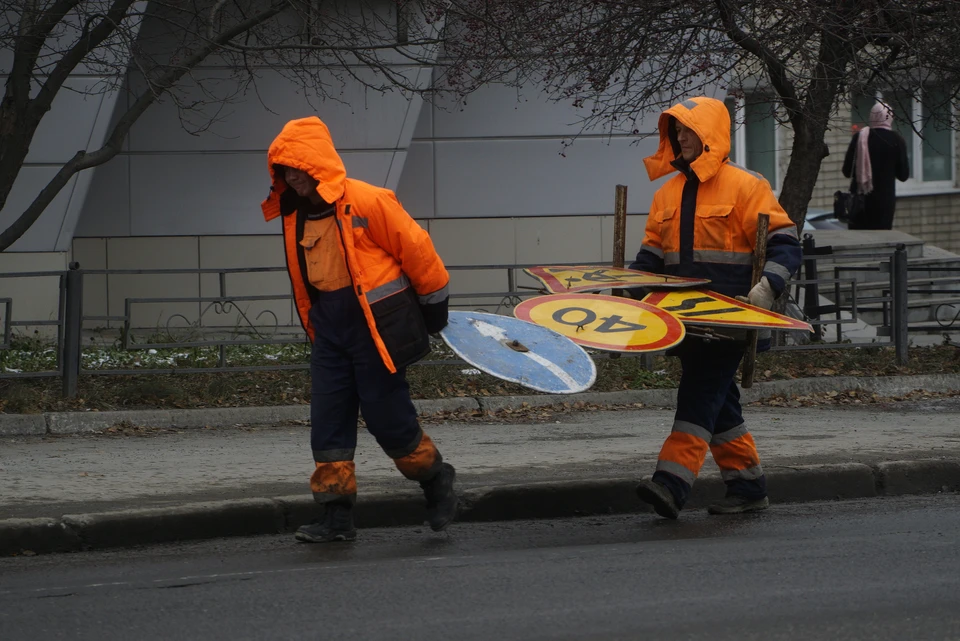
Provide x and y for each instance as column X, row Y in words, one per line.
column 349, row 378
column 709, row 415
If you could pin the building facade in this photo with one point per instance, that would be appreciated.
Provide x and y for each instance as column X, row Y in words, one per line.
column 505, row 178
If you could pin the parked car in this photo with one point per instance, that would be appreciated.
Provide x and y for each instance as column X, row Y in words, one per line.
column 822, row 219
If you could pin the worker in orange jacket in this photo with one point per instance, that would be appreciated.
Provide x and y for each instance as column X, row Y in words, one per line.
column 703, row 224
column 369, row 288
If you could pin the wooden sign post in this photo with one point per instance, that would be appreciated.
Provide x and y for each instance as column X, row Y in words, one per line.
column 759, row 258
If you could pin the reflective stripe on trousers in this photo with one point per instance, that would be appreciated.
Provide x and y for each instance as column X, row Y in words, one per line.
column 348, row 378
column 709, row 417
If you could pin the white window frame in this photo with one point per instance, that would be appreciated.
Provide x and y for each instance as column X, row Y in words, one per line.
column 915, row 185
column 738, row 153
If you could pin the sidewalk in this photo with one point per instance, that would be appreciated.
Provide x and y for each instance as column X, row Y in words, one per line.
column 93, row 491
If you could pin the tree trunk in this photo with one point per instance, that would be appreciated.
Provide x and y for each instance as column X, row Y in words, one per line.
column 806, row 156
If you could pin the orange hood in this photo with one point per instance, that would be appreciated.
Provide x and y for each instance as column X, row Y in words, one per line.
column 710, row 120
column 306, row 144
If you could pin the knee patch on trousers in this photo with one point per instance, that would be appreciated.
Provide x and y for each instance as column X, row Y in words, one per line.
column 736, row 454
column 684, row 451
column 418, row 461
column 334, row 481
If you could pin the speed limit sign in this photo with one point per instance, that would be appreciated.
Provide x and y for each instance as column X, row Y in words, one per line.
column 607, row 323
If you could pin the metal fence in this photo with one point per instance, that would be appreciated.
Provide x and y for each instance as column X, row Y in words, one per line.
column 851, row 278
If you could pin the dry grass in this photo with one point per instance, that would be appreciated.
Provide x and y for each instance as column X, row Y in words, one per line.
column 432, row 381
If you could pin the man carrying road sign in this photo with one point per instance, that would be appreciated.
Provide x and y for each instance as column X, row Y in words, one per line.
column 703, row 224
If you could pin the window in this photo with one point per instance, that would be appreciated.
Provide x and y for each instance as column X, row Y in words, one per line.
column 930, row 154
column 753, row 135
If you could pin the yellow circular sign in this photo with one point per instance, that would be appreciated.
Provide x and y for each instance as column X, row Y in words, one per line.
column 604, row 322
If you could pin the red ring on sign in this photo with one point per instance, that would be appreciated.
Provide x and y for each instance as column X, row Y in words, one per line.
column 674, row 334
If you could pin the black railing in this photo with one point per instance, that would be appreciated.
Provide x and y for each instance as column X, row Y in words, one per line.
column 266, row 329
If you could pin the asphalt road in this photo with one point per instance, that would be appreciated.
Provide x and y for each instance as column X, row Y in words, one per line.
column 877, row 569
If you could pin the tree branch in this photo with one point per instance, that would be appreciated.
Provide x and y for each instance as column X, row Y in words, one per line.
column 87, row 42
column 83, row 160
column 776, row 69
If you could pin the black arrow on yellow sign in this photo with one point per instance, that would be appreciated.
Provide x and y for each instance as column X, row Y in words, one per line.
column 691, row 303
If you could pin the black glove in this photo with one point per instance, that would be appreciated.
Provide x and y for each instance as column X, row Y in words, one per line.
column 435, row 315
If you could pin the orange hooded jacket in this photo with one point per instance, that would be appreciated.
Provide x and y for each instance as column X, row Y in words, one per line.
column 391, row 259
column 703, row 221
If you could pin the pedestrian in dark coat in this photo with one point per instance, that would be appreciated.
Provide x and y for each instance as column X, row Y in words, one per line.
column 877, row 156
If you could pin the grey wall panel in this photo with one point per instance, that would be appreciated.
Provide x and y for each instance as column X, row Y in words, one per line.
column 211, row 194
column 398, row 159
column 99, row 132
column 415, row 189
column 530, row 177
column 411, row 119
column 106, row 210
column 498, row 111
column 69, row 125
column 475, row 242
column 424, row 127
column 42, row 236
column 189, row 194
column 359, row 118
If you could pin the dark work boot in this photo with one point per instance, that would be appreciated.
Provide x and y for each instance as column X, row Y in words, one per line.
column 659, row 497
column 442, row 501
column 734, row 504
column 336, row 524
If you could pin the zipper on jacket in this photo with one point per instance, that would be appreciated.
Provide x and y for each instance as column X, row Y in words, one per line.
column 346, row 258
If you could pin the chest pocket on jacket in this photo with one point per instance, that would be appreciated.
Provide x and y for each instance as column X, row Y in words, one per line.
column 712, row 228
column 669, row 222
column 326, row 268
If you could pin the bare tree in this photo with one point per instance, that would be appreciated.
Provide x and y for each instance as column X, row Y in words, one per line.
column 619, row 59
column 615, row 59
column 151, row 50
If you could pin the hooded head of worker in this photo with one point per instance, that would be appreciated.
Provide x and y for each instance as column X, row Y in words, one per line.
column 303, row 159
column 696, row 133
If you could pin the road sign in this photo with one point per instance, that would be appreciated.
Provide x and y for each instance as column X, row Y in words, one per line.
column 593, row 278
column 609, row 323
column 703, row 307
column 520, row 352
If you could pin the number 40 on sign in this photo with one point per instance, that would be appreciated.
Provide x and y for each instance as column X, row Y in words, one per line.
column 604, row 322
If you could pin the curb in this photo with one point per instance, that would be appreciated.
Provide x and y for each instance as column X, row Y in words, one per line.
column 246, row 517
column 80, row 422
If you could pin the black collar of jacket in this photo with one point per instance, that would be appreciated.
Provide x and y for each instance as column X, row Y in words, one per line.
column 684, row 168
column 291, row 202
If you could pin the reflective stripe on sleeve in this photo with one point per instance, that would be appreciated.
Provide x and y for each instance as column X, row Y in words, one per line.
column 778, row 269
column 436, row 297
column 656, row 251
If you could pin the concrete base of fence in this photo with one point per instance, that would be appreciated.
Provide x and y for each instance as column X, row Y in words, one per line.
column 80, row 422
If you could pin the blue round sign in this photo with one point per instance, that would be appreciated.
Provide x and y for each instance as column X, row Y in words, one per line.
column 521, row 352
